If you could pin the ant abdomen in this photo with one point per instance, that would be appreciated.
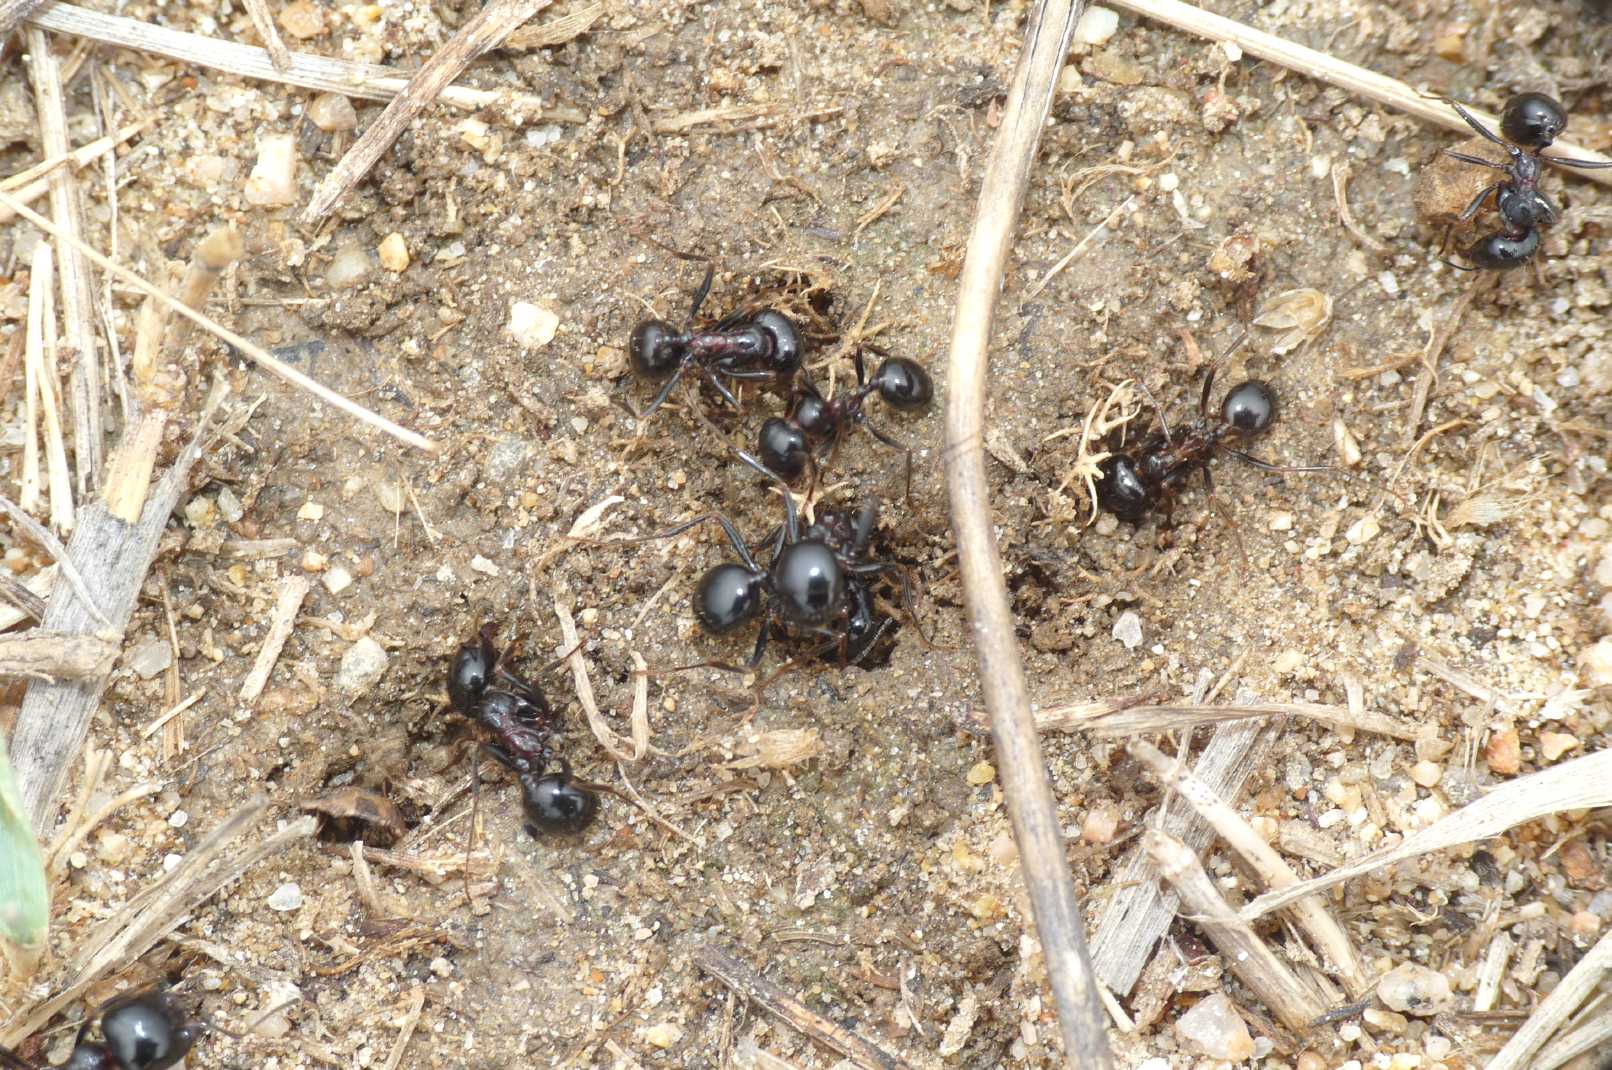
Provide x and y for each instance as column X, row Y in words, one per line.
column 726, row 598
column 654, row 350
column 1503, row 252
column 904, row 384
column 1249, row 406
column 783, row 342
column 1121, row 490
column 783, row 447
column 556, row 805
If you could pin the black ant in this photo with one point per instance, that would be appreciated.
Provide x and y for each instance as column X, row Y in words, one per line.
column 786, row 444
column 521, row 721
column 141, row 1031
column 816, row 582
column 1135, row 482
column 744, row 347
column 1532, row 121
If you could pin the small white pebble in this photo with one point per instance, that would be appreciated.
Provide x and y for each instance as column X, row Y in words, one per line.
column 170, row 862
column 441, row 967
column 1414, row 989
column 78, row 860
column 482, row 565
column 1096, row 26
column 178, row 819
column 331, row 112
column 1128, row 629
column 1344, row 441
column 337, row 580
column 393, row 252
column 1363, row 530
column 1426, row 773
column 311, row 510
column 362, row 667
column 532, row 326
column 286, row 897
column 273, row 181
column 1281, row 521
column 349, row 267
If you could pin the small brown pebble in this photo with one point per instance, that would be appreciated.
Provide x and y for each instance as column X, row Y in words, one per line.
column 393, row 253
column 364, row 566
column 1503, row 752
column 1555, row 744
column 1100, row 825
column 1309, row 1060
column 981, row 773
column 1585, row 924
column 1580, row 866
column 302, row 19
column 1426, row 773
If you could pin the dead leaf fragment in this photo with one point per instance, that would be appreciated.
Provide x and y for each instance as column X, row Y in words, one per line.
column 358, row 813
column 1301, row 315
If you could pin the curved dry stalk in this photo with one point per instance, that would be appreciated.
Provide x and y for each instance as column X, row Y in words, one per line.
column 1024, row 778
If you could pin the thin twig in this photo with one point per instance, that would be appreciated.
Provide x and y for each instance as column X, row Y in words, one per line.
column 556, row 31
column 78, row 298
column 55, row 655
column 1126, row 717
column 13, row 12
column 775, row 1001
column 293, row 589
column 263, row 23
column 261, row 356
column 1327, row 68
column 1554, row 1009
column 485, row 30
column 53, row 546
column 323, row 73
column 1036, row 830
column 411, row 1018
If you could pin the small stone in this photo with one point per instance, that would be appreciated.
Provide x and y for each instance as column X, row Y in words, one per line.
column 1553, row 745
column 1344, row 441
column 1413, row 989
column 1388, row 1021
column 1096, row 26
column 1214, row 1028
column 1503, row 752
column 331, row 112
column 1128, row 629
column 286, row 897
column 1580, row 866
column 302, row 19
column 390, row 495
column 311, row 510
column 394, row 252
column 149, row 658
column 361, row 667
column 532, row 326
column 663, row 1034
column 229, row 506
column 1100, row 825
column 1596, row 661
column 273, row 181
column 200, row 512
column 981, row 773
column 482, row 565
column 1309, row 1060
column 338, row 580
column 1584, row 925
column 314, row 561
column 1437, row 1047
column 112, row 848
column 441, row 967
column 178, row 819
column 350, row 266
column 955, row 1038
column 1427, row 773
column 1363, row 530
column 1281, row 521
column 1287, row 662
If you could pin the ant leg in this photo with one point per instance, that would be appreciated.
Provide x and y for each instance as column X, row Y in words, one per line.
column 1267, row 466
column 909, row 601
column 660, row 398
column 1564, row 161
column 705, row 288
column 895, row 445
column 1163, row 423
column 1203, row 399
column 761, row 647
column 861, row 368
column 1224, row 514
column 1484, row 131
column 734, row 538
column 1477, row 202
column 867, row 520
column 791, row 521
column 721, row 388
column 1477, row 160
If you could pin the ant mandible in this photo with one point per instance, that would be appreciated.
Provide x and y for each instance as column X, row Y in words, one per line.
column 515, row 713
column 142, row 1031
column 1135, row 482
column 1532, row 121
column 815, row 581
column 742, row 347
column 786, row 444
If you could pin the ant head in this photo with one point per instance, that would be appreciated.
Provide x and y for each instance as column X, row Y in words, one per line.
column 727, row 597
column 146, row 1033
column 1249, row 406
column 809, row 583
column 783, row 448
column 1532, row 120
column 784, row 351
column 1121, row 490
column 468, row 674
column 813, row 414
column 655, row 349
column 89, row 1055
column 557, row 806
column 903, row 384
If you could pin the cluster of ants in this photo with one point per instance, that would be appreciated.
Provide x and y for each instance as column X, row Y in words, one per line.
column 141, row 1031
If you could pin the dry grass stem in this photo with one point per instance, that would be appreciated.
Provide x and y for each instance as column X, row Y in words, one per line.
column 84, row 824
column 48, row 542
column 322, row 73
column 1097, row 233
column 263, row 23
column 32, row 183
column 39, row 275
column 1310, row 914
column 12, row 12
column 1435, row 349
column 618, row 748
column 405, row 1031
column 1576, row 784
column 1554, row 1009
column 1340, row 194
column 77, row 295
column 293, row 589
column 874, row 214
column 556, row 31
column 1491, row 972
column 1327, row 68
column 775, row 1001
column 1466, row 682
column 257, row 353
column 56, row 655
column 1254, row 963
column 171, row 712
column 21, row 600
column 1123, row 716
column 1594, row 1035
column 1140, row 911
column 749, row 116
column 484, row 31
